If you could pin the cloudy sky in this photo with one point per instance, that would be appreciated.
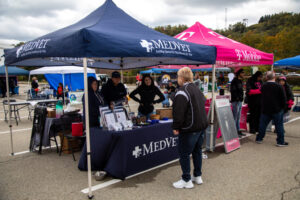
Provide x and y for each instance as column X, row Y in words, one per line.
column 23, row 20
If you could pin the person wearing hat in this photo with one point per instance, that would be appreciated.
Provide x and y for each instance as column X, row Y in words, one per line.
column 288, row 93
column 237, row 97
column 253, row 93
column 114, row 91
column 289, row 98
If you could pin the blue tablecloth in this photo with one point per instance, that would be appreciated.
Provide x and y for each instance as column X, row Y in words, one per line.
column 125, row 153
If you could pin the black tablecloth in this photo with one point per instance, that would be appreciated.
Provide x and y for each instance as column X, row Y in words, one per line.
column 125, row 153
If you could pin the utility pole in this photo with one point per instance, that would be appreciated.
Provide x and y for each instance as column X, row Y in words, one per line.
column 225, row 18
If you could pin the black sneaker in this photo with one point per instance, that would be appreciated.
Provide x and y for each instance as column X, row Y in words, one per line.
column 285, row 144
column 241, row 134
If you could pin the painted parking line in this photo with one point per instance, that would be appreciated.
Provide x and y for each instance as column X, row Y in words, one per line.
column 18, row 130
column 14, row 119
column 24, row 152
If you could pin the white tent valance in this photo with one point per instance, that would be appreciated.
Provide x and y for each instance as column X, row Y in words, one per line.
column 60, row 70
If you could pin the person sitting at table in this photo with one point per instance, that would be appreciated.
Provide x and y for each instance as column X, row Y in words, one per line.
column 3, row 87
column 60, row 92
column 114, row 91
column 12, row 85
column 171, row 90
column 34, row 86
column 95, row 101
column 147, row 92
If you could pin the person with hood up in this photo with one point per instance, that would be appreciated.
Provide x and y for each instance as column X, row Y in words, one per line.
column 95, row 101
column 253, row 93
column 147, row 92
column 114, row 91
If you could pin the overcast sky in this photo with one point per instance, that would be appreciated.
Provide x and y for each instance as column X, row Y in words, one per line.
column 24, row 20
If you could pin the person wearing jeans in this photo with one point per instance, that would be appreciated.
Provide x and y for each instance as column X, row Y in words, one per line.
column 190, row 143
column 278, row 121
column 189, row 123
column 237, row 97
column 236, row 111
column 273, row 103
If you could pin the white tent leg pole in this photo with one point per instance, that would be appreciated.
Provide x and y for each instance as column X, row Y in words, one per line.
column 63, row 79
column 9, row 113
column 87, row 128
column 212, row 108
column 29, row 85
column 272, row 68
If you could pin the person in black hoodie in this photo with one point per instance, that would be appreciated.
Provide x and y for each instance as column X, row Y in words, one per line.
column 253, row 93
column 114, row 91
column 147, row 92
column 189, row 123
column 237, row 97
column 95, row 101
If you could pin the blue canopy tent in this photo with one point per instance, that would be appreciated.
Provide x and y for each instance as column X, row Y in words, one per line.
column 107, row 38
column 67, row 75
column 13, row 71
column 288, row 63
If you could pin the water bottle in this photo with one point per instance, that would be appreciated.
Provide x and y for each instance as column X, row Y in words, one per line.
column 59, row 109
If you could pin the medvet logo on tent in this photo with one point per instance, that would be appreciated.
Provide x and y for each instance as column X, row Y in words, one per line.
column 153, row 147
column 166, row 47
column 33, row 47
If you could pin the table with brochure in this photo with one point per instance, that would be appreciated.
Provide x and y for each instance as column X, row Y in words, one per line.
column 122, row 151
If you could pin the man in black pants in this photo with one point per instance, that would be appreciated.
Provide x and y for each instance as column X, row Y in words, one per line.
column 189, row 123
column 273, row 103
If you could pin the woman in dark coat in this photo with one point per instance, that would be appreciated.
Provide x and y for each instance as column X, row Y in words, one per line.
column 147, row 92
column 253, row 93
column 288, row 93
column 95, row 101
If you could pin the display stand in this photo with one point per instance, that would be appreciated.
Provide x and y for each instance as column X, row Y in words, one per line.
column 224, row 119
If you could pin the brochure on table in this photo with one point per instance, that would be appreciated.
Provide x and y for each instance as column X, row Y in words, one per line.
column 115, row 119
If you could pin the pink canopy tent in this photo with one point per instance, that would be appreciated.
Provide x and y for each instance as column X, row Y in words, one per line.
column 230, row 53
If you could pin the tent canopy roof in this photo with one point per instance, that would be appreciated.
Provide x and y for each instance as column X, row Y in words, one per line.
column 292, row 62
column 13, row 71
column 60, row 70
column 111, row 39
column 229, row 52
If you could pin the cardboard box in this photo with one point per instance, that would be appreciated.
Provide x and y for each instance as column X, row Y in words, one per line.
column 66, row 148
column 51, row 113
column 165, row 112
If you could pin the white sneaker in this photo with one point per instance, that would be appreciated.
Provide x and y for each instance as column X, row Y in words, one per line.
column 198, row 180
column 182, row 184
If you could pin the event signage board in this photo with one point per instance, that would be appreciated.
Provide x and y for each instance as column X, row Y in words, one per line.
column 75, row 98
column 227, row 125
column 205, row 85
